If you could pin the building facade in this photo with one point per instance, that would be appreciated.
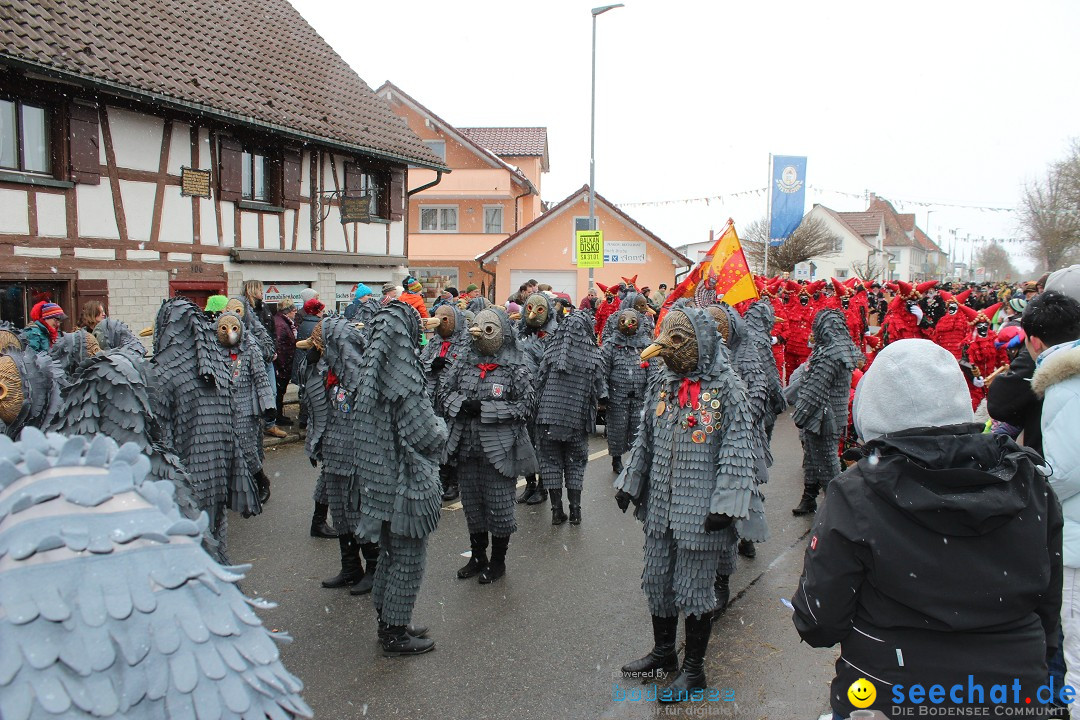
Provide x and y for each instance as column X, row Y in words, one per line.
column 153, row 156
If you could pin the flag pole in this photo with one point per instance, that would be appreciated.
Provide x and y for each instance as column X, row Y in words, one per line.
column 768, row 219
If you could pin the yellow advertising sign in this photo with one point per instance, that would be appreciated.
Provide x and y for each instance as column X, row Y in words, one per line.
column 589, row 248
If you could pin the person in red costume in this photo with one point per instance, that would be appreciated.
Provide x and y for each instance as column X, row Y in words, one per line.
column 607, row 307
column 952, row 329
column 873, row 345
column 904, row 318
column 799, row 313
column 980, row 352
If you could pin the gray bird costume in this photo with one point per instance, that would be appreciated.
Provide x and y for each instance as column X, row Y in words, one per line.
column 111, row 607
column 448, row 349
column 398, row 462
column 690, row 474
column 627, row 377
column 536, row 328
column 821, row 409
column 630, row 301
column 72, row 349
column 29, row 391
column 570, row 385
column 488, row 400
column 112, row 333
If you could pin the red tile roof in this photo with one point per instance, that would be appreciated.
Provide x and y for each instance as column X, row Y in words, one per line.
column 895, row 234
column 561, row 206
column 249, row 62
column 510, row 141
column 863, row 223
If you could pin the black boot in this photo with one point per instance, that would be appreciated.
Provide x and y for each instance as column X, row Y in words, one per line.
column 397, row 641
column 558, row 516
column 496, row 567
column 539, row 496
column 663, row 655
column 616, row 464
column 574, row 496
column 808, row 504
column 747, row 549
column 723, row 595
column 319, row 526
column 448, row 476
column 371, row 558
column 351, row 570
column 479, row 559
column 417, row 631
column 262, row 483
column 692, row 675
column 529, row 491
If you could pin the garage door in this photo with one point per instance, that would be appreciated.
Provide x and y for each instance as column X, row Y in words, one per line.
column 560, row 280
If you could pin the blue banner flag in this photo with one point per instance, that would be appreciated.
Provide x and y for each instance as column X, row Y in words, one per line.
column 788, row 196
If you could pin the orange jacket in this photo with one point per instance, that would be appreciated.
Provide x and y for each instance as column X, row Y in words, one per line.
column 416, row 301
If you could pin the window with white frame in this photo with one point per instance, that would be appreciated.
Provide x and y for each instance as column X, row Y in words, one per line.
column 439, row 218
column 438, row 147
column 493, row 219
column 254, row 177
column 582, row 223
column 841, row 273
column 24, row 137
column 838, row 244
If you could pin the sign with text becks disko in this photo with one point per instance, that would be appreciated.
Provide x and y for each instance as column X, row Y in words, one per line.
column 589, row 248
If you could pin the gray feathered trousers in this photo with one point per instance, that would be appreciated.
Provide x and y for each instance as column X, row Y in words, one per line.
column 677, row 578
column 398, row 575
column 563, row 460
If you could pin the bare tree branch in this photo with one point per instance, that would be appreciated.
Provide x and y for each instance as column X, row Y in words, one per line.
column 870, row 270
column 995, row 259
column 1050, row 213
column 812, row 238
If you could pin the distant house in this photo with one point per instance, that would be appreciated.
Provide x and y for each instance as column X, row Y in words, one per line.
column 912, row 254
column 544, row 250
column 859, row 237
column 492, row 192
column 179, row 147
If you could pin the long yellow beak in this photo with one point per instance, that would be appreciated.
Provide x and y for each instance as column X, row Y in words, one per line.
column 147, row 331
column 475, row 331
column 651, row 351
column 305, row 344
column 431, row 323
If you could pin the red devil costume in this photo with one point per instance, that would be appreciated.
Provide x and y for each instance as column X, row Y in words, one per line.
column 904, row 316
column 799, row 315
column 980, row 352
column 953, row 328
column 609, row 306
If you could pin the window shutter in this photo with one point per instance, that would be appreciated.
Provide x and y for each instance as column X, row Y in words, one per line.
column 352, row 179
column 291, row 173
column 397, row 193
column 86, row 290
column 84, row 164
column 230, row 179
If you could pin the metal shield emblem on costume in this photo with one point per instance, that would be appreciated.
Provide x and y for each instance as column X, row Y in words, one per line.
column 698, row 436
column 660, row 408
column 497, row 390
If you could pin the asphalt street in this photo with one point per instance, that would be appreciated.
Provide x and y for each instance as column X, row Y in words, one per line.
column 548, row 639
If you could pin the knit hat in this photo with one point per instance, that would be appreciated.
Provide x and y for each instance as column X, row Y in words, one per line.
column 216, row 303
column 307, row 294
column 1017, row 304
column 471, row 288
column 52, row 310
column 313, row 307
column 362, row 290
column 412, row 284
column 928, row 378
column 389, row 288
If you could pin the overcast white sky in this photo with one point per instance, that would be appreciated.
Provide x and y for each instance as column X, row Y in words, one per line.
column 939, row 102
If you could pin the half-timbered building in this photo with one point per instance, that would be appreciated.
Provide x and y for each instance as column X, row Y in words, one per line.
column 180, row 147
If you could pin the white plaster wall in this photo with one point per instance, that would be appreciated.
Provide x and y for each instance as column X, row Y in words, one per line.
column 249, row 230
column 204, row 149
column 136, row 139
column 179, row 148
column 101, row 146
column 335, row 239
column 371, row 238
column 138, row 208
column 207, row 222
column 227, row 225
column 305, row 173
column 272, row 230
column 287, row 219
column 176, row 218
column 14, row 214
column 96, row 216
column 303, row 234
column 397, row 238
column 51, row 215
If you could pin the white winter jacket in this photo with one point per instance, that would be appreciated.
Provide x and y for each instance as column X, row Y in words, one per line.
column 1057, row 380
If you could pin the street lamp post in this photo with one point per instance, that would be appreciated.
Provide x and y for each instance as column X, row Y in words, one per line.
column 592, row 127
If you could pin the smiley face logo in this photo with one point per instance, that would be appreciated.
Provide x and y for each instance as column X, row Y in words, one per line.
column 862, row 693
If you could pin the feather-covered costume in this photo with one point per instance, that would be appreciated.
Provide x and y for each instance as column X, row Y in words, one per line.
column 111, row 333
column 450, row 343
column 398, row 460
column 630, row 301
column 627, row 377
column 537, row 325
column 570, row 385
column 30, row 385
column 72, row 349
column 111, row 607
column 821, row 409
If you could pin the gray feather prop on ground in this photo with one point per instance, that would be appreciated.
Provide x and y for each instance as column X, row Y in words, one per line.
column 111, row 607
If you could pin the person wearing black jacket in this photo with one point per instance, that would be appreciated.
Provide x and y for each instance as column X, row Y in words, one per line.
column 936, row 558
column 1010, row 400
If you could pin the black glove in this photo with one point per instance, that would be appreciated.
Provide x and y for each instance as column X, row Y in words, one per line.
column 313, row 356
column 470, row 408
column 438, row 364
column 314, row 462
column 715, row 522
column 270, row 415
column 623, row 498
column 209, row 380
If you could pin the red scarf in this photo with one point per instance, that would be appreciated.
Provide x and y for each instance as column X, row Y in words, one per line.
column 541, row 334
column 689, row 393
column 485, row 368
column 54, row 334
column 331, row 378
column 445, row 346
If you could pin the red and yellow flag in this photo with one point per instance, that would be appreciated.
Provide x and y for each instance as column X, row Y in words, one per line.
column 722, row 272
